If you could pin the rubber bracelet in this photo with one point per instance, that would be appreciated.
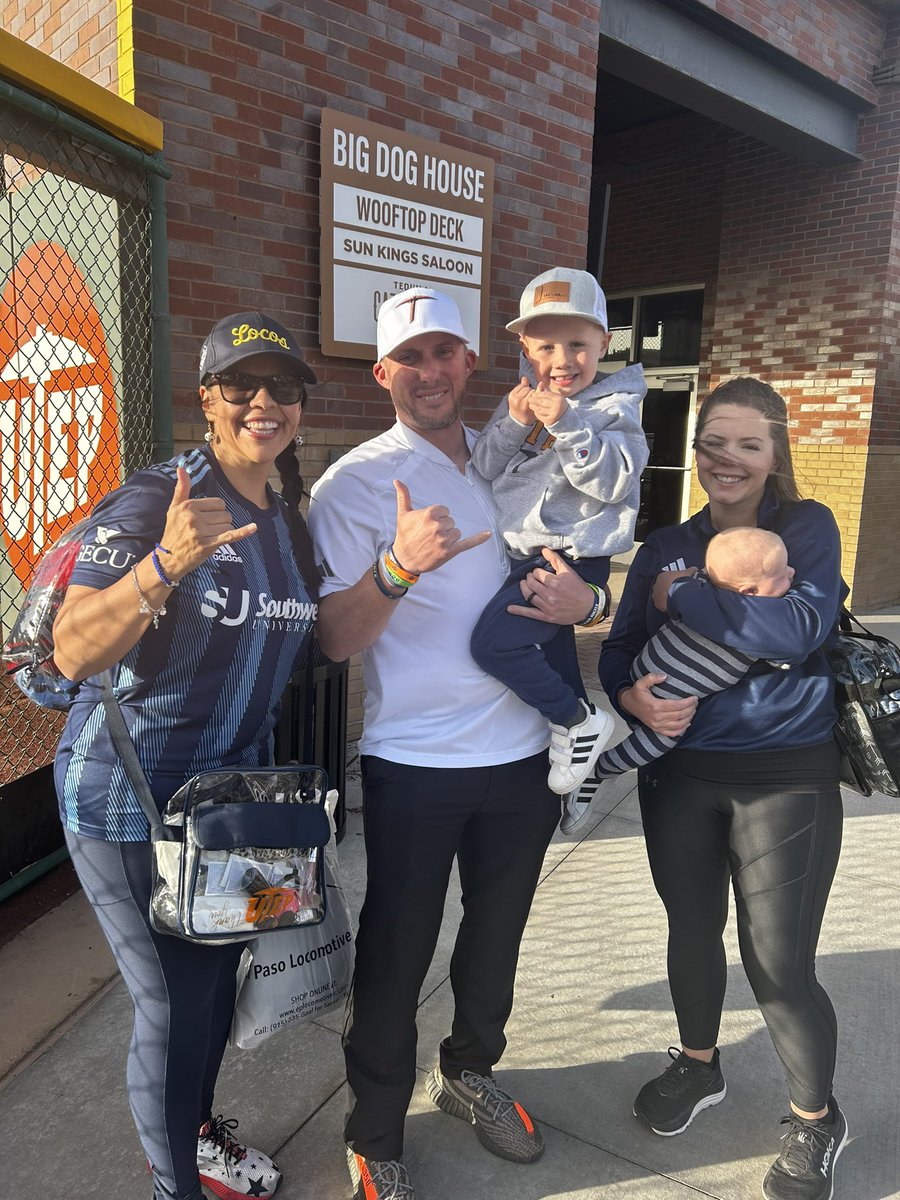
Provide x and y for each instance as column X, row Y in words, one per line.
column 595, row 607
column 394, row 576
column 394, row 580
column 395, row 569
column 397, row 562
column 376, row 575
column 599, row 610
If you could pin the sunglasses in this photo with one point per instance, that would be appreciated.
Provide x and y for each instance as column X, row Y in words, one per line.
column 240, row 389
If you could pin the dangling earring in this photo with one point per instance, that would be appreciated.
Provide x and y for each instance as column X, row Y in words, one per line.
column 298, row 439
column 209, row 435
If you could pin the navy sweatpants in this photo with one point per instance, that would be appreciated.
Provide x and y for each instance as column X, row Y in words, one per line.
column 183, row 997
column 536, row 660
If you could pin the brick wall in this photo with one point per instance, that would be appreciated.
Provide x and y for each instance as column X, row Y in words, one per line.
column 841, row 39
column 666, row 210
column 800, row 264
column 80, row 33
column 241, row 90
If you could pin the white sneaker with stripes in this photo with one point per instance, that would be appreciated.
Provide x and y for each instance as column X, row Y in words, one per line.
column 574, row 751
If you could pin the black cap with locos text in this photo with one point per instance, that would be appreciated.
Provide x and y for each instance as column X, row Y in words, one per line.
column 246, row 333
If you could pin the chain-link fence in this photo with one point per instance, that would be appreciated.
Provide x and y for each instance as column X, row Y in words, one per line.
column 76, row 413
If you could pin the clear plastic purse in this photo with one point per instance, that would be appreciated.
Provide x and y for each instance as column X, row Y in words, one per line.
column 240, row 853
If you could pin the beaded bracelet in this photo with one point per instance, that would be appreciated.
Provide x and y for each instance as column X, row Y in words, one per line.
column 157, row 565
column 146, row 608
column 376, row 575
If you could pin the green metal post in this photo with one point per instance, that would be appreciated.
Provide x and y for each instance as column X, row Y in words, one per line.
column 161, row 333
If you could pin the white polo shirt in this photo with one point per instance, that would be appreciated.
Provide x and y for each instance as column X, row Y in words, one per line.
column 427, row 702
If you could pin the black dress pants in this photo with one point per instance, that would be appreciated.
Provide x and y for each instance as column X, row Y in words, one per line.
column 497, row 821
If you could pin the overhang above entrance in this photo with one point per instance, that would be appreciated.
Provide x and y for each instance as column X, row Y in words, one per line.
column 679, row 51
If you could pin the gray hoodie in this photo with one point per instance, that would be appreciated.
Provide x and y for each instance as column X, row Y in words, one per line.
column 573, row 485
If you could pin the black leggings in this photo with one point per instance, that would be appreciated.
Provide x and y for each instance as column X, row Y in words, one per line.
column 779, row 846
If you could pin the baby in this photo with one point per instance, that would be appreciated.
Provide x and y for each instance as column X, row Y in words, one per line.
column 751, row 561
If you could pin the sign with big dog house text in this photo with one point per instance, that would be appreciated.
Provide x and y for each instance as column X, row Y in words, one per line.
column 398, row 212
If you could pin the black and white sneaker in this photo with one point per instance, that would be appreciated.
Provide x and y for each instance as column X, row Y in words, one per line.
column 576, row 807
column 670, row 1102
column 574, row 749
column 804, row 1170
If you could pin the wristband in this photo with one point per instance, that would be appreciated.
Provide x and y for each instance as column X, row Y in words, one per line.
column 376, row 575
column 157, row 565
column 400, row 575
column 398, row 564
column 599, row 610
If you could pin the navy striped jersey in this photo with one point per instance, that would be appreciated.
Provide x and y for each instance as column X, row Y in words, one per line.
column 203, row 689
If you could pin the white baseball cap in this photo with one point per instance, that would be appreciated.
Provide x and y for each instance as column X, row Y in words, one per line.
column 561, row 292
column 418, row 310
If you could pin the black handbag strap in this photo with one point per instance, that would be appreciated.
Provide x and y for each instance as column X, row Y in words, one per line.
column 847, row 620
column 127, row 753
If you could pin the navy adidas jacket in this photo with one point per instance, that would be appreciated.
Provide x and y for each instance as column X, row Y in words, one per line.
column 769, row 708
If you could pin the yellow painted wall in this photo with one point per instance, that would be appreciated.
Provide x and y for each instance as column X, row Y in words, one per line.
column 833, row 474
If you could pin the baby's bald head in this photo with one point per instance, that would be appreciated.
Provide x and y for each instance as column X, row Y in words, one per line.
column 748, row 560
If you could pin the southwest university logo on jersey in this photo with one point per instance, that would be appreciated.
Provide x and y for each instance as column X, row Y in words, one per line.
column 233, row 606
column 59, row 429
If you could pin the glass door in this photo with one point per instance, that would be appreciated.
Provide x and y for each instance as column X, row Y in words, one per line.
column 667, row 415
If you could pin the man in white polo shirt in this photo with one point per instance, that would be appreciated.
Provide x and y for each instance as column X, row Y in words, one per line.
column 454, row 765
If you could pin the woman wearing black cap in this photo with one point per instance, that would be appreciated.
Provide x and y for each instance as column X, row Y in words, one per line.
column 196, row 588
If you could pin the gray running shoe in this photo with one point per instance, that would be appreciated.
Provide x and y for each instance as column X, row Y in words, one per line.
column 375, row 1180
column 501, row 1125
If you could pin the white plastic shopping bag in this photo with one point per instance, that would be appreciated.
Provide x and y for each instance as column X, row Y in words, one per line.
column 302, row 973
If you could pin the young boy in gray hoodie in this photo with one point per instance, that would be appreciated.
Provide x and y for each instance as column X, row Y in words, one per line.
column 564, row 453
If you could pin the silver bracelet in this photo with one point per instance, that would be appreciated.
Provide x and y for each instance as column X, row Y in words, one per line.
column 146, row 608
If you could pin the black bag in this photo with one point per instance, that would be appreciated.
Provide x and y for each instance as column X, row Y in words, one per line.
column 866, row 670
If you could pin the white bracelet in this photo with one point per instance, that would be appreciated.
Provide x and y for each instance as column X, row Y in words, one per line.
column 146, row 608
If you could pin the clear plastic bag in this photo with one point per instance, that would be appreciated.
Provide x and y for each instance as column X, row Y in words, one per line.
column 246, row 856
column 28, row 651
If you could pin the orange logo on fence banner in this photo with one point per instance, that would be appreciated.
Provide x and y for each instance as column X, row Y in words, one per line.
column 59, row 429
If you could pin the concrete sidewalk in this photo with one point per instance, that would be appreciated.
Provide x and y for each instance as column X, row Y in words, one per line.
column 591, row 1023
